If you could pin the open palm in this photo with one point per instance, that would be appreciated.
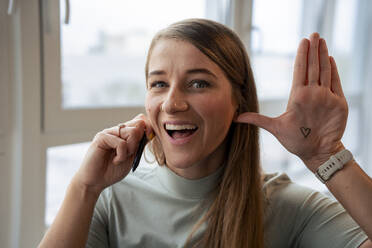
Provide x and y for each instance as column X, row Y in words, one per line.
column 316, row 114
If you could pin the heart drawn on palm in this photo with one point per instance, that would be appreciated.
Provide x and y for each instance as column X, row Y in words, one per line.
column 305, row 131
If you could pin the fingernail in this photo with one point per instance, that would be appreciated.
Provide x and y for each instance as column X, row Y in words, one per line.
column 323, row 42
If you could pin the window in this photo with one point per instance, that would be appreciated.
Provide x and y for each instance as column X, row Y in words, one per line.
column 62, row 163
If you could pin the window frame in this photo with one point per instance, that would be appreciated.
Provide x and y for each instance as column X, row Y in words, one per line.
column 5, row 170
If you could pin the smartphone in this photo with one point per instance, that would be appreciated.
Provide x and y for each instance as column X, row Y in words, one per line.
column 139, row 152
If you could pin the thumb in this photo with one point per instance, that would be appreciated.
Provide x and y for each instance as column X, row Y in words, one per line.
column 257, row 120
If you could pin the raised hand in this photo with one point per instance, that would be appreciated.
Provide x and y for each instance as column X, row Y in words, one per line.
column 316, row 114
column 111, row 154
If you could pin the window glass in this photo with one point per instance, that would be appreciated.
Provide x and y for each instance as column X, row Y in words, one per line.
column 275, row 36
column 103, row 48
column 277, row 30
column 344, row 45
column 62, row 163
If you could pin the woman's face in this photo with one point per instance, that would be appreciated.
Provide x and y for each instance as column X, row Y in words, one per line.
column 190, row 107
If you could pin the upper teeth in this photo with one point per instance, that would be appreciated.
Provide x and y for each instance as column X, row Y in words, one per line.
column 179, row 127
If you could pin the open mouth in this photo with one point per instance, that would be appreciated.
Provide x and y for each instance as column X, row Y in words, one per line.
column 180, row 131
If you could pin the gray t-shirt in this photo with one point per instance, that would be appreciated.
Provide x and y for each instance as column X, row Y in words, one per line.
column 154, row 207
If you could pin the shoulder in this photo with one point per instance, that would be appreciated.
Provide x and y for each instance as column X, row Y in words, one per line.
column 278, row 188
column 297, row 215
column 285, row 199
column 291, row 202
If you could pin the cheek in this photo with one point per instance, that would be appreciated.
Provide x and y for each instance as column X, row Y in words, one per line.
column 218, row 114
column 148, row 108
column 150, row 103
column 221, row 105
column 152, row 110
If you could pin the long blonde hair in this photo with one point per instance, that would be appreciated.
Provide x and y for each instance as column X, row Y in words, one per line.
column 235, row 217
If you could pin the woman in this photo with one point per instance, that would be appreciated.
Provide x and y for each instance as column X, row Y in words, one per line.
column 208, row 190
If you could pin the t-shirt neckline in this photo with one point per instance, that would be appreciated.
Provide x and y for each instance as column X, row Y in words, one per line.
column 188, row 188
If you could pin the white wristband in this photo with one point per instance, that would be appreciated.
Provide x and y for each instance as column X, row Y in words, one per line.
column 335, row 163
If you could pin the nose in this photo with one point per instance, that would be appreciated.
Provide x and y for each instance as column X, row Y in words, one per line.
column 174, row 102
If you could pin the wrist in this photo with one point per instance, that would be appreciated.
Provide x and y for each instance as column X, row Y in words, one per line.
column 86, row 191
column 333, row 165
column 315, row 162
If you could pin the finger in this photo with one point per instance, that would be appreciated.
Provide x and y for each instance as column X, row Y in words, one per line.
column 116, row 130
column 300, row 66
column 140, row 123
column 313, row 60
column 335, row 79
column 148, row 128
column 122, row 153
column 325, row 65
column 257, row 119
column 135, row 120
column 137, row 123
column 133, row 135
column 109, row 142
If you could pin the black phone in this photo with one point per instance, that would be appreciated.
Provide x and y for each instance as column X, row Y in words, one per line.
column 139, row 152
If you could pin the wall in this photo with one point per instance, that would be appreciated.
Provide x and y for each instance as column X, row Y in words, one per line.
column 4, row 128
column 22, row 171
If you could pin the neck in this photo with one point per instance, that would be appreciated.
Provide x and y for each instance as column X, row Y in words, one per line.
column 204, row 167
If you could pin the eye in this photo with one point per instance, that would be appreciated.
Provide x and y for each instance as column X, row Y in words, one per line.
column 200, row 84
column 158, row 84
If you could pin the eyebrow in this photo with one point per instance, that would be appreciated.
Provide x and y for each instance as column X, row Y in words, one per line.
column 190, row 71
